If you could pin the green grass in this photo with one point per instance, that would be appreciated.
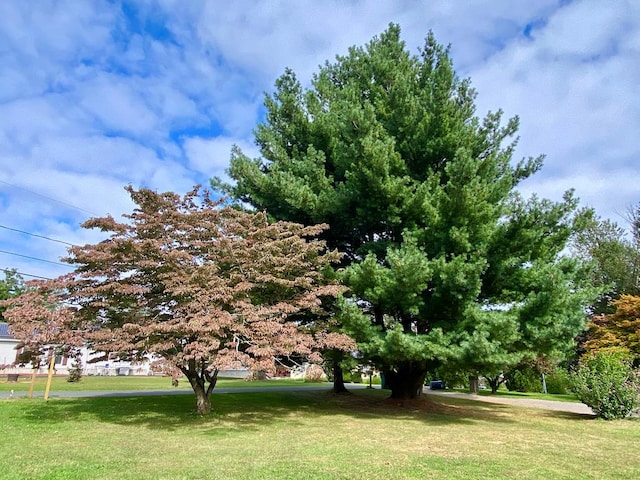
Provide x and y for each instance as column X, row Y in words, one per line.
column 129, row 383
column 307, row 435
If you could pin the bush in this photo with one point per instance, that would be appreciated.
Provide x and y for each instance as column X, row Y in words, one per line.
column 256, row 376
column 558, row 382
column 451, row 377
column 606, row 382
column 314, row 374
column 523, row 378
column 364, row 378
column 75, row 372
column 355, row 376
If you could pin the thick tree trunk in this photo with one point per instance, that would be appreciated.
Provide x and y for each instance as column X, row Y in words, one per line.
column 473, row 384
column 203, row 396
column 198, row 383
column 406, row 380
column 494, row 383
column 338, row 379
column 203, row 402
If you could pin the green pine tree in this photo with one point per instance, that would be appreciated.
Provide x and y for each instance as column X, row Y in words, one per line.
column 446, row 262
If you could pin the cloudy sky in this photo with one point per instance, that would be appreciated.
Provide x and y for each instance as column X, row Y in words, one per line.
column 97, row 95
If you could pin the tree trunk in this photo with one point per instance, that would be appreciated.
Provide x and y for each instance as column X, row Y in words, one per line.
column 494, row 383
column 338, row 379
column 406, row 380
column 203, row 402
column 473, row 384
column 198, row 383
column 203, row 396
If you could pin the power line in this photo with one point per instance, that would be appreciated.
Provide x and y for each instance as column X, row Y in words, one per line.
column 36, row 258
column 39, row 236
column 6, row 270
column 49, row 198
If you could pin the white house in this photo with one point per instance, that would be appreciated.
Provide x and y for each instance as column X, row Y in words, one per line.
column 111, row 366
column 8, row 345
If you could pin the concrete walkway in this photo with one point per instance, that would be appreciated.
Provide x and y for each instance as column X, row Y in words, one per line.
column 570, row 407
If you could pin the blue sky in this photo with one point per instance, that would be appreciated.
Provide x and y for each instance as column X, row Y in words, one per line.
column 97, row 95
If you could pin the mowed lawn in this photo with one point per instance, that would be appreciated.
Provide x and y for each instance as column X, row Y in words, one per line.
column 307, row 435
column 128, row 383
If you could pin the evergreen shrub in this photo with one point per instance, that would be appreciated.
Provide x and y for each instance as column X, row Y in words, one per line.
column 75, row 372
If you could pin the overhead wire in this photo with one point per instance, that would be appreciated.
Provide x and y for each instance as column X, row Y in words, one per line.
column 39, row 236
column 48, row 198
column 7, row 270
column 36, row 258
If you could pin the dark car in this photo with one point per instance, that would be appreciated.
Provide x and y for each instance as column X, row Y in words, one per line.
column 437, row 385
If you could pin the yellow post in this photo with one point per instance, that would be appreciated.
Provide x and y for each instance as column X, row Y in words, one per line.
column 33, row 380
column 51, row 365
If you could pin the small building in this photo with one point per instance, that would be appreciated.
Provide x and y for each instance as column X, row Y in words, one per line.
column 8, row 346
column 10, row 349
column 93, row 364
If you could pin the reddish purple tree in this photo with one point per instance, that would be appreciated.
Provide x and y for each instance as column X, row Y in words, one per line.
column 40, row 321
column 205, row 286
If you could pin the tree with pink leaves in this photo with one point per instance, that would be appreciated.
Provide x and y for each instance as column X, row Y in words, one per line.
column 41, row 321
column 205, row 286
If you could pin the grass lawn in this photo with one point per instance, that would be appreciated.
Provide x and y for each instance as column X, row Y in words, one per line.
column 128, row 383
column 307, row 435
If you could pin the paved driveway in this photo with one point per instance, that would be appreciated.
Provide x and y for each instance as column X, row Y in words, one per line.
column 523, row 402
column 571, row 407
column 138, row 393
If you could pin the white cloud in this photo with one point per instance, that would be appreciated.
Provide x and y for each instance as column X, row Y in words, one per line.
column 41, row 41
column 90, row 102
column 211, row 155
column 610, row 194
column 585, row 30
column 117, row 104
column 573, row 84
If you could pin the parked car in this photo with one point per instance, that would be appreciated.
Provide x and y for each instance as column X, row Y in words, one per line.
column 437, row 385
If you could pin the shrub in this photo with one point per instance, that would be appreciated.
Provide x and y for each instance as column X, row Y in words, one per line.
column 606, row 382
column 256, row 376
column 314, row 374
column 356, row 376
column 558, row 382
column 523, row 378
column 452, row 377
column 75, row 372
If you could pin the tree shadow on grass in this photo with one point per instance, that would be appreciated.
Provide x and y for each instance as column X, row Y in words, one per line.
column 566, row 415
column 251, row 411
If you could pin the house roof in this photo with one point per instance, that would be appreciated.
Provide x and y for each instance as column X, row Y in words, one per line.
column 4, row 330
